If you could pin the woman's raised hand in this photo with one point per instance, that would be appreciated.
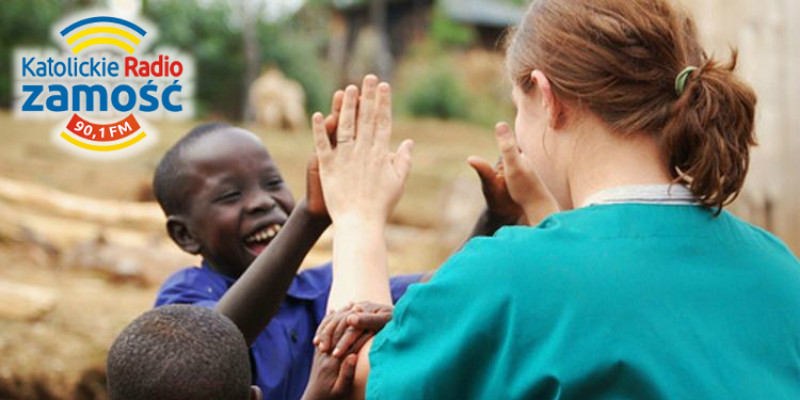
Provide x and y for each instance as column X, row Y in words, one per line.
column 361, row 179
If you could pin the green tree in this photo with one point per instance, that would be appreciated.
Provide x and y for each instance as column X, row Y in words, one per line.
column 205, row 33
column 210, row 33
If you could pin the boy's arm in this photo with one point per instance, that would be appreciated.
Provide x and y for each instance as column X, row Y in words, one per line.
column 255, row 297
column 488, row 223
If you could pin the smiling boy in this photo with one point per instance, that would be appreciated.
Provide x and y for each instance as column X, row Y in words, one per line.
column 225, row 200
column 223, row 195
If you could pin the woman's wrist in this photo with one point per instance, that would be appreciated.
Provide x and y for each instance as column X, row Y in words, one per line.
column 356, row 222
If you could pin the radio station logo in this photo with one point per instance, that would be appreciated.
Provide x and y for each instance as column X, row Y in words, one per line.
column 101, row 85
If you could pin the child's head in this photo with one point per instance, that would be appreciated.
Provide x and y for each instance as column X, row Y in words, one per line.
column 635, row 67
column 180, row 352
column 223, row 196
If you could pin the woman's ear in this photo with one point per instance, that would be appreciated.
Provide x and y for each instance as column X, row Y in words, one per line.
column 556, row 118
column 179, row 231
column 255, row 393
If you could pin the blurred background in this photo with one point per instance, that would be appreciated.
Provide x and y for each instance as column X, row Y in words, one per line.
column 82, row 245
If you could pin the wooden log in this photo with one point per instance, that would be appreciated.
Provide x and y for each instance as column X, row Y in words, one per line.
column 32, row 196
column 25, row 302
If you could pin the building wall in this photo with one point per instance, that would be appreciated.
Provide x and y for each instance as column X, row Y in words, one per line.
column 767, row 34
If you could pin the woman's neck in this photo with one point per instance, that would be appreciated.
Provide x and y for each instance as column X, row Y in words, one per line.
column 607, row 160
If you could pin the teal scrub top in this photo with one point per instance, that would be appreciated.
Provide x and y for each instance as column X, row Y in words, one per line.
column 625, row 301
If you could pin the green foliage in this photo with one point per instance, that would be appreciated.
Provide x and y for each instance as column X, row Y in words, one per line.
column 203, row 32
column 206, row 32
column 437, row 93
column 434, row 90
column 295, row 51
column 468, row 85
column 23, row 23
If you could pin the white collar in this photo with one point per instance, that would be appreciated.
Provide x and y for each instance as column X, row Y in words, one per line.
column 674, row 194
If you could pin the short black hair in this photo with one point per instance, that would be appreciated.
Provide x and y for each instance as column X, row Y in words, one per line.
column 166, row 180
column 179, row 352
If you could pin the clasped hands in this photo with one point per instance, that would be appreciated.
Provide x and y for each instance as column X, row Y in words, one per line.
column 340, row 336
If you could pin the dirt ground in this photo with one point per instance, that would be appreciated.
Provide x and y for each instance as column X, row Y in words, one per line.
column 57, row 351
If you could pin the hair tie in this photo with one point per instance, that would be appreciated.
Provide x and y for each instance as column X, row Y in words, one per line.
column 682, row 78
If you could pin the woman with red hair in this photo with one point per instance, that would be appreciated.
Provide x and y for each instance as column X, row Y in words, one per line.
column 638, row 284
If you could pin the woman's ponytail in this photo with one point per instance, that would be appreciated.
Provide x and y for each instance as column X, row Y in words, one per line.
column 709, row 133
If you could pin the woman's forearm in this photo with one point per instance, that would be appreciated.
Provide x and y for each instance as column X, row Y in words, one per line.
column 362, row 373
column 359, row 263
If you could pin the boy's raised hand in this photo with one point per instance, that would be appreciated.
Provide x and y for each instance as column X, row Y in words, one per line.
column 360, row 178
column 521, row 179
column 495, row 190
column 314, row 198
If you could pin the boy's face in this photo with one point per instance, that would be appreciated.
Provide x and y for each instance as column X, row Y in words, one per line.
column 237, row 198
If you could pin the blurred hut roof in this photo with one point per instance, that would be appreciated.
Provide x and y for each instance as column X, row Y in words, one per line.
column 498, row 13
column 348, row 4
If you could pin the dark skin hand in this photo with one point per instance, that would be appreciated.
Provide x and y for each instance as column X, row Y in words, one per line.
column 495, row 190
column 332, row 374
column 256, row 296
column 331, row 377
column 316, row 201
column 345, row 331
column 501, row 209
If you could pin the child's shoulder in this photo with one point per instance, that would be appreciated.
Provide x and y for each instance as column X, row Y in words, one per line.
column 191, row 276
column 190, row 285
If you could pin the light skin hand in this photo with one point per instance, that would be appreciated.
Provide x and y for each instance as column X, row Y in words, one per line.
column 360, row 178
column 362, row 182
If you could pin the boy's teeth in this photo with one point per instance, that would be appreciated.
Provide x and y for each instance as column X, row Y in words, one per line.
column 265, row 234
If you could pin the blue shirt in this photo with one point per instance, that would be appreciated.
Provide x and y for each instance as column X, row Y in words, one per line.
column 282, row 354
column 626, row 301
